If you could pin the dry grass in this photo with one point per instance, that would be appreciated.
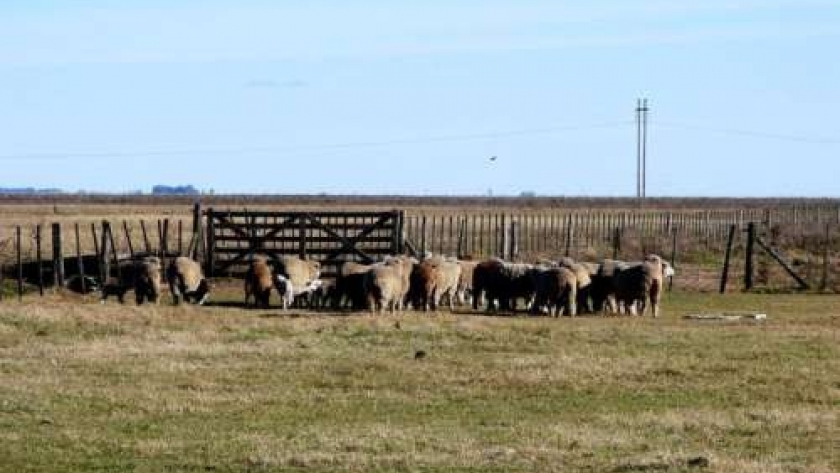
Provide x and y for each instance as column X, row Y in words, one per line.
column 85, row 387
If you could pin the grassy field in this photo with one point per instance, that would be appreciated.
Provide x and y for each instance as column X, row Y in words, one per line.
column 85, row 387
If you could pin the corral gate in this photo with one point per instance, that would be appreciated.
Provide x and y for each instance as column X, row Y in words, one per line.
column 233, row 237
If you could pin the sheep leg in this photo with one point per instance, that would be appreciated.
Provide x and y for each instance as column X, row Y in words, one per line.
column 654, row 294
column 436, row 296
column 371, row 303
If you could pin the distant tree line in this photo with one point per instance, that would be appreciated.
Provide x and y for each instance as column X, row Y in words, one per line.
column 158, row 189
column 28, row 190
column 174, row 190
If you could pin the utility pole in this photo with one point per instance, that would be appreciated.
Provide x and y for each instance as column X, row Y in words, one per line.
column 641, row 147
column 644, row 147
column 638, row 149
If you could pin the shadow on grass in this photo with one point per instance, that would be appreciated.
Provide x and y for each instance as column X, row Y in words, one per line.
column 272, row 311
column 299, row 312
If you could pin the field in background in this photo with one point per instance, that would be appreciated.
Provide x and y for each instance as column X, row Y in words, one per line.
column 85, row 387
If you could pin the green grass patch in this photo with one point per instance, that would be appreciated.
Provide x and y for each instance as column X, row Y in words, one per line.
column 85, row 387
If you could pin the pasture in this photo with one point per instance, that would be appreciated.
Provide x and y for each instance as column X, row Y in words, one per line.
column 89, row 387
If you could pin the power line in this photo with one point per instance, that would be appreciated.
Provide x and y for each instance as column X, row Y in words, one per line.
column 325, row 147
column 749, row 133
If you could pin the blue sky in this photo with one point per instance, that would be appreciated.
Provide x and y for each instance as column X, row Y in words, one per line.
column 415, row 97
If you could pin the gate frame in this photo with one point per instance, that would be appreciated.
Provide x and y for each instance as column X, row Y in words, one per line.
column 300, row 222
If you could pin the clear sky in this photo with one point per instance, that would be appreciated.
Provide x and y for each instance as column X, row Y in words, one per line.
column 415, row 97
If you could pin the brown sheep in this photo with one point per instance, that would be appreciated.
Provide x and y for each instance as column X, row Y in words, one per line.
column 556, row 290
column 300, row 272
column 448, row 280
column 465, row 281
column 82, row 284
column 147, row 280
column 422, row 284
column 487, row 282
column 603, row 286
column 141, row 275
column 637, row 284
column 258, row 282
column 186, row 280
column 387, row 284
column 433, row 279
column 119, row 285
column 350, row 285
column 502, row 282
column 291, row 294
column 583, row 275
column 325, row 294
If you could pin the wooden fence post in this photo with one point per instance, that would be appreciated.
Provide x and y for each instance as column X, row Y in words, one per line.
column 725, row 275
column 450, row 243
column 19, row 263
column 210, row 250
column 471, row 235
column 104, row 255
column 180, row 237
column 459, row 247
column 79, row 260
column 748, row 265
column 526, row 225
column 302, row 236
column 493, row 234
column 96, row 250
column 192, row 247
column 514, row 248
column 95, row 239
column 616, row 242
column 164, row 238
column 128, row 239
column 58, row 257
column 442, row 235
column 432, row 234
column 673, row 256
column 145, row 237
column 825, row 265
column 160, row 237
column 114, row 252
column 569, row 235
column 545, row 228
column 423, row 236
column 1, row 279
column 502, row 235
column 38, row 258
column 481, row 237
column 398, row 238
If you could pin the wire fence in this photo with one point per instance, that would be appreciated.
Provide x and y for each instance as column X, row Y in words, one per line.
column 694, row 240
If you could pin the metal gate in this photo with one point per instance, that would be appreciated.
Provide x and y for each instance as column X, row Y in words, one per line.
column 233, row 237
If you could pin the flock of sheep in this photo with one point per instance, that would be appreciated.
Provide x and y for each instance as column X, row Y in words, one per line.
column 561, row 287
column 143, row 275
column 399, row 282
